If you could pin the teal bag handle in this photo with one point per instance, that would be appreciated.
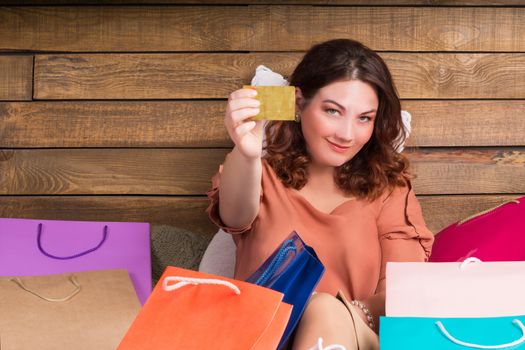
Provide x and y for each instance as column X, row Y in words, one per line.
column 477, row 346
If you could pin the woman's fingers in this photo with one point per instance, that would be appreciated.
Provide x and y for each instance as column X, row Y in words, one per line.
column 244, row 128
column 241, row 115
column 245, row 102
column 242, row 93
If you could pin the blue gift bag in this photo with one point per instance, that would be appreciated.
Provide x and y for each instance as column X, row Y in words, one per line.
column 294, row 270
column 416, row 333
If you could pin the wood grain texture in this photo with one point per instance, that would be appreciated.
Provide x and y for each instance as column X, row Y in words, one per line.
column 442, row 76
column 200, row 123
column 189, row 212
column 183, row 212
column 272, row 2
column 466, row 123
column 186, row 76
column 188, row 171
column 16, row 77
column 462, row 171
column 149, row 76
column 459, row 65
column 260, row 28
column 113, row 124
column 109, row 171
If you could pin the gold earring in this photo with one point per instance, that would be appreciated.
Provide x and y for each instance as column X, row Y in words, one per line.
column 297, row 118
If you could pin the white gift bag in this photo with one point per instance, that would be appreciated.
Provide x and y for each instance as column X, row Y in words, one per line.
column 466, row 289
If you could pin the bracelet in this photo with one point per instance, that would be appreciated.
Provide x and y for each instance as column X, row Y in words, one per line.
column 365, row 310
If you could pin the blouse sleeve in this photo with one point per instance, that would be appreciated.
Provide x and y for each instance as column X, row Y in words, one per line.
column 213, row 208
column 403, row 234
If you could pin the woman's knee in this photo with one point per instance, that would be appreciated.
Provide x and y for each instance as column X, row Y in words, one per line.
column 324, row 301
column 326, row 306
column 328, row 318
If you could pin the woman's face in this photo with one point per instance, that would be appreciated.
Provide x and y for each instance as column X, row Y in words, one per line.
column 338, row 121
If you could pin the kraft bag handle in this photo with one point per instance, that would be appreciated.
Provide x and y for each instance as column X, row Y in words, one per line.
column 478, row 346
column 183, row 281
column 39, row 242
column 71, row 278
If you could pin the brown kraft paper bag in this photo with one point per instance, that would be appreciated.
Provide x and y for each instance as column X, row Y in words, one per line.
column 80, row 310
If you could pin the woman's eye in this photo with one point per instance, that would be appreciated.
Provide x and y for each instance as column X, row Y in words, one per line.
column 332, row 111
column 365, row 118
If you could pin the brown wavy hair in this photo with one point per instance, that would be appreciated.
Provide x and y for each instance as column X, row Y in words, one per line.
column 377, row 166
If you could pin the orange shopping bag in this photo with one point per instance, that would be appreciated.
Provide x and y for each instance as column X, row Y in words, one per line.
column 194, row 310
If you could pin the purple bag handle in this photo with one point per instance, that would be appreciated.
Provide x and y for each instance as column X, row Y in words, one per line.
column 39, row 242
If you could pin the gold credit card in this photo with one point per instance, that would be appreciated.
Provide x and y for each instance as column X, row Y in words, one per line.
column 277, row 102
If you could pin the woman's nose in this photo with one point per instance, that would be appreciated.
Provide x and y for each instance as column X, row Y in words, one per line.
column 345, row 131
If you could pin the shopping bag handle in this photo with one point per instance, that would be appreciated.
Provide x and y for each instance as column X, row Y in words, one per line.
column 320, row 346
column 277, row 261
column 477, row 346
column 39, row 242
column 468, row 261
column 71, row 278
column 183, row 281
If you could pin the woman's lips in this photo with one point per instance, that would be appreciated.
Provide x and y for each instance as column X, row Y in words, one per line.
column 338, row 148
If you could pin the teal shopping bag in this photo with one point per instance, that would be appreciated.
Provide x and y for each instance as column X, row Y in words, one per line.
column 417, row 333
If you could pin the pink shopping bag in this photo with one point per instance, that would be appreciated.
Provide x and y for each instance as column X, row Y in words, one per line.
column 497, row 234
column 43, row 247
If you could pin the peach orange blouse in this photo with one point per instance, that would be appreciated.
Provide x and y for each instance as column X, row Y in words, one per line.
column 354, row 241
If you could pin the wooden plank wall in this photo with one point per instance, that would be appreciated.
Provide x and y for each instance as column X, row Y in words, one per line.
column 114, row 111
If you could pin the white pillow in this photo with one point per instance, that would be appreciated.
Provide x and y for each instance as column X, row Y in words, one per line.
column 219, row 257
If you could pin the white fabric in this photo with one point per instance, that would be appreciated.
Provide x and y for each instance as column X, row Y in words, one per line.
column 407, row 125
column 264, row 76
column 219, row 257
column 457, row 289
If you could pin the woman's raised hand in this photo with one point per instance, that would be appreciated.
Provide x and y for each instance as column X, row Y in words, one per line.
column 246, row 134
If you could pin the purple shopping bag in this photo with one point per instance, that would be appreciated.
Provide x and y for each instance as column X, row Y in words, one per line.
column 43, row 247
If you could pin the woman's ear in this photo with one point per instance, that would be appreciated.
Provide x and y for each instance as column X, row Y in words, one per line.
column 299, row 100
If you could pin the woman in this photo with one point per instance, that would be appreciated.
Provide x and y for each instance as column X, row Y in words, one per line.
column 334, row 177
